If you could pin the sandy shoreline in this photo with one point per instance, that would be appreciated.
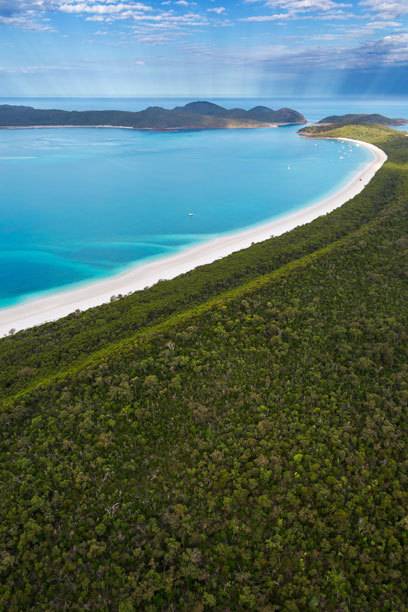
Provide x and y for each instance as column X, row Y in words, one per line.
column 145, row 129
column 56, row 305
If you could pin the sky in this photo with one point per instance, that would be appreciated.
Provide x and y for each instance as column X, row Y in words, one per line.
column 239, row 48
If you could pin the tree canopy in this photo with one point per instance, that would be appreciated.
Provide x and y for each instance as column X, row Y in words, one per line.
column 233, row 439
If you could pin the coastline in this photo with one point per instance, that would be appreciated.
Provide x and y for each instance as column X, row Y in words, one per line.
column 56, row 305
column 146, row 129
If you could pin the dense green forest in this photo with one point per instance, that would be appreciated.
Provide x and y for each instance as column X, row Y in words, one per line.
column 233, row 439
column 361, row 119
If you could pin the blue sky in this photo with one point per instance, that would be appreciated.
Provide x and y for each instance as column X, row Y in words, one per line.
column 203, row 47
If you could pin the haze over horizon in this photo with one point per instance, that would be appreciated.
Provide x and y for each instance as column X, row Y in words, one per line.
column 248, row 48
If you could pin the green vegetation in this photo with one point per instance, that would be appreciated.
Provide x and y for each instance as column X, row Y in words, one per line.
column 361, row 119
column 195, row 115
column 234, row 439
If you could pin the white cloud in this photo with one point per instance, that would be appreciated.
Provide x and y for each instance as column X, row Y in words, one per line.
column 32, row 14
column 388, row 51
column 266, row 18
column 303, row 5
column 300, row 5
column 381, row 25
column 103, row 8
column 109, row 11
column 298, row 9
column 218, row 10
column 25, row 22
column 24, row 14
column 387, row 8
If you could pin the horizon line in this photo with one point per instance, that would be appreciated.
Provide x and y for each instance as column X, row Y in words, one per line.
column 209, row 96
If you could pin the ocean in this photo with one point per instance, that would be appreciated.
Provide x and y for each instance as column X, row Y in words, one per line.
column 83, row 204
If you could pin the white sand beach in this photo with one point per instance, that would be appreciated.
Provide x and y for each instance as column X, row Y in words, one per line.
column 63, row 302
column 144, row 129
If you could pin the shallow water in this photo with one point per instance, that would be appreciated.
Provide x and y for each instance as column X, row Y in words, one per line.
column 85, row 203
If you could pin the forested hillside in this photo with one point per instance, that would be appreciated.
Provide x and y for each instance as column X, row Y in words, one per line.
column 361, row 119
column 234, row 439
column 195, row 115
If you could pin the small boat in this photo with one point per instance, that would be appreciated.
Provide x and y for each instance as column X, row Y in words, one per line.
column 190, row 214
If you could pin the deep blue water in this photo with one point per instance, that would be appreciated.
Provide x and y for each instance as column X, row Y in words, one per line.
column 82, row 204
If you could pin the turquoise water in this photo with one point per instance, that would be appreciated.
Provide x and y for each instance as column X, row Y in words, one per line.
column 82, row 204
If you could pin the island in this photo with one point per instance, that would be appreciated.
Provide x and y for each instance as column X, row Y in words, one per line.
column 193, row 116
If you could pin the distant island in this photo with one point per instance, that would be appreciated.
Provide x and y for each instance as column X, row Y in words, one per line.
column 361, row 119
column 195, row 115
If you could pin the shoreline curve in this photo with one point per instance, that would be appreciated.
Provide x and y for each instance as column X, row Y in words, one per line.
column 39, row 310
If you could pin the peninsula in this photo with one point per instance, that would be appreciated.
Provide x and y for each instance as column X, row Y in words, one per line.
column 232, row 439
column 192, row 116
